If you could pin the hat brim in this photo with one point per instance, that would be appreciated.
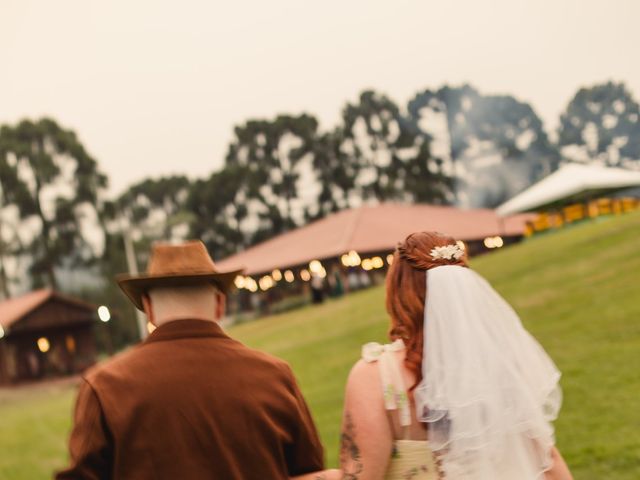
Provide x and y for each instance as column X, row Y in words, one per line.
column 135, row 287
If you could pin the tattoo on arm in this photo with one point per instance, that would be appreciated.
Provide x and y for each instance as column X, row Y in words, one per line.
column 350, row 458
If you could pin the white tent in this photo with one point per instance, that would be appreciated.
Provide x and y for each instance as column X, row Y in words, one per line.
column 571, row 182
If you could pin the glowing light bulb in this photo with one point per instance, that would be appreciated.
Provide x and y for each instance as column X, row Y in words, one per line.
column 315, row 266
column 354, row 258
column 252, row 285
column 104, row 314
column 239, row 281
column 43, row 344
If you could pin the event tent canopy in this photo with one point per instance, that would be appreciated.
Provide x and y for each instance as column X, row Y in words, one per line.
column 369, row 229
column 570, row 183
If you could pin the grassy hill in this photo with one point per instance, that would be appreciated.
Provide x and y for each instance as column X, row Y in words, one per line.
column 577, row 291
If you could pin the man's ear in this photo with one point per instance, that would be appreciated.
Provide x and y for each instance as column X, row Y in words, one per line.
column 221, row 303
column 146, row 304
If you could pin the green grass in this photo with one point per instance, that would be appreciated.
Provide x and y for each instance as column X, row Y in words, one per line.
column 577, row 290
column 34, row 422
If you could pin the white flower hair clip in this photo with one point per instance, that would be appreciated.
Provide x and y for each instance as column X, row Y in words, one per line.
column 447, row 252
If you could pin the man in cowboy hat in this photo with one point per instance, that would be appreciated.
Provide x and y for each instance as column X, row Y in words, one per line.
column 189, row 402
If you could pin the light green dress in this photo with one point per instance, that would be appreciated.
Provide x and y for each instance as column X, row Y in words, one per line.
column 411, row 459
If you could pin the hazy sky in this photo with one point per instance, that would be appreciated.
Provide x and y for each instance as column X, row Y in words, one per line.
column 155, row 87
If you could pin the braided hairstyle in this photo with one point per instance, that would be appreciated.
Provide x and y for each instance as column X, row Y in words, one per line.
column 406, row 291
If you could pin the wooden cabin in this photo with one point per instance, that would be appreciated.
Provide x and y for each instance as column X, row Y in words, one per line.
column 45, row 334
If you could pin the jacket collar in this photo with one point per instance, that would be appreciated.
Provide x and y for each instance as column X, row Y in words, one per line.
column 187, row 328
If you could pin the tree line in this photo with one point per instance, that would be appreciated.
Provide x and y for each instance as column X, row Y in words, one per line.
column 453, row 145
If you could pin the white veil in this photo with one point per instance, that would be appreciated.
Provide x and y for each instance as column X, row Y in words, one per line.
column 489, row 391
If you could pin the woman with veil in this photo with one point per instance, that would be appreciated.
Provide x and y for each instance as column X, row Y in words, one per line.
column 463, row 392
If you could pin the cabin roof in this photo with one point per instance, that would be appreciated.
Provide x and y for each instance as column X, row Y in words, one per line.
column 14, row 309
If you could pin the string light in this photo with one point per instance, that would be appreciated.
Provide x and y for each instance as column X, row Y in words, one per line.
column 289, row 276
column 390, row 258
column 277, row 275
column 305, row 275
column 493, row 242
column 367, row 264
column 377, row 262
column 315, row 266
column 239, row 281
column 351, row 259
column 251, row 284
column 266, row 282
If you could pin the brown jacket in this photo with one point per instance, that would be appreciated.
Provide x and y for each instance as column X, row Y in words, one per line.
column 192, row 403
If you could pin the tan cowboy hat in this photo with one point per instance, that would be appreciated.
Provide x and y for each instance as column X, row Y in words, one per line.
column 173, row 265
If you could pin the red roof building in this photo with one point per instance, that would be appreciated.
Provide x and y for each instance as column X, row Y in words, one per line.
column 372, row 229
column 43, row 334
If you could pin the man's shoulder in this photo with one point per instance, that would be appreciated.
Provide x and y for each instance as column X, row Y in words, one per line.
column 267, row 358
column 262, row 360
column 117, row 362
column 141, row 356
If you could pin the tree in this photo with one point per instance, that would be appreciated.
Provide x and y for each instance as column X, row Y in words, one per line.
column 156, row 208
column 388, row 158
column 494, row 145
column 335, row 174
column 279, row 183
column 219, row 210
column 601, row 124
column 10, row 246
column 151, row 210
column 56, row 186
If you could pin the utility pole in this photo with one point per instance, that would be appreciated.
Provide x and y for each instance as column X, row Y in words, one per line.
column 133, row 269
column 4, row 280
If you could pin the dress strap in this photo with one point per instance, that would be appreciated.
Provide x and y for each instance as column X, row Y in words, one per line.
column 393, row 388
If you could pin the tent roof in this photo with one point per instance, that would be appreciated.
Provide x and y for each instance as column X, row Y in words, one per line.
column 571, row 182
column 369, row 229
column 14, row 309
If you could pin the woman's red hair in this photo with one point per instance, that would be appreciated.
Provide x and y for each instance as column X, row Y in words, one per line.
column 406, row 290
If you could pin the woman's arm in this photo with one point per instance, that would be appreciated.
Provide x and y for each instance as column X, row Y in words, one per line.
column 366, row 440
column 559, row 469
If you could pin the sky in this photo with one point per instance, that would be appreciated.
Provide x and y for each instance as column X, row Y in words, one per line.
column 154, row 87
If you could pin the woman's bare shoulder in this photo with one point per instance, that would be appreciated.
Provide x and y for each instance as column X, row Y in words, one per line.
column 363, row 376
